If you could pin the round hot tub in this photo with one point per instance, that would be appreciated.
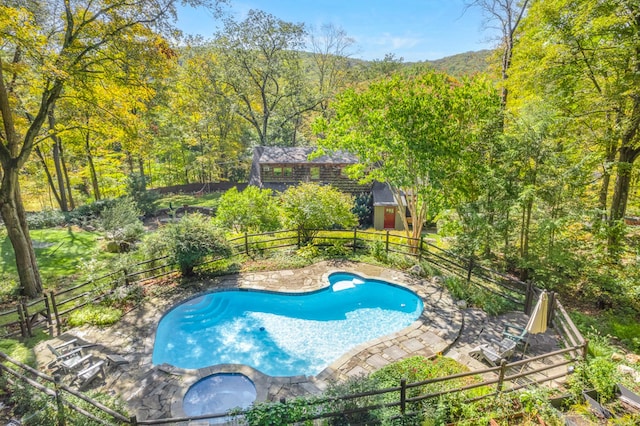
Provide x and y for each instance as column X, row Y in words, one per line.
column 217, row 394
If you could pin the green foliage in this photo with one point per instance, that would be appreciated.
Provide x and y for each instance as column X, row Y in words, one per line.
column 209, row 200
column 309, row 207
column 379, row 251
column 252, row 210
column 121, row 223
column 476, row 296
column 18, row 351
column 46, row 219
column 279, row 413
column 353, row 385
column 187, row 242
column 86, row 214
column 363, row 209
column 137, row 189
column 95, row 315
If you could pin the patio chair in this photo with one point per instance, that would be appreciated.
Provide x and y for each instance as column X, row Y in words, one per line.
column 65, row 347
column 68, row 361
column 628, row 397
column 91, row 369
column 515, row 332
column 494, row 353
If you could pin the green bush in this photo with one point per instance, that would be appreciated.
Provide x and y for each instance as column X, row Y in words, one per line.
column 187, row 242
column 279, row 413
column 46, row 219
column 121, row 223
column 95, row 315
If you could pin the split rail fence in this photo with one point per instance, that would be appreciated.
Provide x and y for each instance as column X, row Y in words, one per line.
column 51, row 310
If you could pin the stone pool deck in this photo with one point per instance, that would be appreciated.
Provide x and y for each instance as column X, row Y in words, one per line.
column 154, row 392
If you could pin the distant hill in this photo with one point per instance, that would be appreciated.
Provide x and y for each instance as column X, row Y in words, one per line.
column 467, row 63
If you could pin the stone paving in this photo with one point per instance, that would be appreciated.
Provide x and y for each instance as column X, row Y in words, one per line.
column 154, row 392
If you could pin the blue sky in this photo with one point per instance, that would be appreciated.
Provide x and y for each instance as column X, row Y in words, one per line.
column 415, row 30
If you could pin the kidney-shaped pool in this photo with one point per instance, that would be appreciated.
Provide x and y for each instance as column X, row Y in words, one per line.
column 283, row 334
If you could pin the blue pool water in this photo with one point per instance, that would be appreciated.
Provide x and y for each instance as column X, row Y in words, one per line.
column 217, row 394
column 283, row 334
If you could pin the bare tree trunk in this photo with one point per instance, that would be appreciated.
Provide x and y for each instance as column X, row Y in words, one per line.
column 56, row 162
column 92, row 168
column 72, row 204
column 47, row 173
column 14, row 218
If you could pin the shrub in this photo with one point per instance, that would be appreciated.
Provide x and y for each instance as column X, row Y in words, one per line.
column 121, row 223
column 252, row 210
column 95, row 315
column 45, row 219
column 309, row 207
column 187, row 242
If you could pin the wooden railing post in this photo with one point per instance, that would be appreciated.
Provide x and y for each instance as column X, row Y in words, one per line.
column 387, row 243
column 585, row 350
column 133, row 420
column 420, row 248
column 49, row 319
column 55, row 312
column 551, row 308
column 403, row 396
column 21, row 319
column 126, row 276
column 59, row 403
column 27, row 320
column 470, row 270
column 246, row 244
column 503, row 369
column 355, row 239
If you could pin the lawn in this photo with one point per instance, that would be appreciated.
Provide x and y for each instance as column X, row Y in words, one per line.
column 64, row 254
column 178, row 200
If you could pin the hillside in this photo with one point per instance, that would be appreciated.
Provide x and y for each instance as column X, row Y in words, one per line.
column 467, row 63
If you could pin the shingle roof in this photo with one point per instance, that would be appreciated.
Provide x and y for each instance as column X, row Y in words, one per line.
column 297, row 155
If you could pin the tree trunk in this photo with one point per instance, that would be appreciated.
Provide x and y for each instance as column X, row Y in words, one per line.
column 623, row 182
column 72, row 204
column 48, row 174
column 56, row 162
column 14, row 218
column 92, row 167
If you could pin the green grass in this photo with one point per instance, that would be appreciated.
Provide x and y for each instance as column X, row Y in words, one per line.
column 63, row 254
column 178, row 200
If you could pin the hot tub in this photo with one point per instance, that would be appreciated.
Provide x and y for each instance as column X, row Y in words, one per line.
column 217, row 394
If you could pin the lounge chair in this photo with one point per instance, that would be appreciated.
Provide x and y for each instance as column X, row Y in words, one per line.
column 515, row 332
column 64, row 347
column 91, row 368
column 69, row 360
column 494, row 353
column 628, row 398
column 596, row 408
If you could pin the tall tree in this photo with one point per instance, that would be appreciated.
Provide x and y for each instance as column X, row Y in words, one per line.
column 43, row 45
column 409, row 131
column 587, row 62
column 263, row 75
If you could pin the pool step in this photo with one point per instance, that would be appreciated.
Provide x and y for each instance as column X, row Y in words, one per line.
column 206, row 317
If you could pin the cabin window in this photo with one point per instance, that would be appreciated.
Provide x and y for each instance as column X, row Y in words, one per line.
column 315, row 173
column 277, row 171
column 288, row 171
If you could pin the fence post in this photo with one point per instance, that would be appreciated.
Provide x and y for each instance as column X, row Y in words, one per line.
column 355, row 239
column 470, row 270
column 133, row 420
column 49, row 319
column 551, row 308
column 246, row 244
column 503, row 369
column 387, row 243
column 420, row 247
column 59, row 403
column 585, row 350
column 55, row 311
column 528, row 301
column 403, row 395
column 23, row 329
column 27, row 320
column 126, row 276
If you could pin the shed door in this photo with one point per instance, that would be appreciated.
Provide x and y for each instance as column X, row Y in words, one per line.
column 389, row 218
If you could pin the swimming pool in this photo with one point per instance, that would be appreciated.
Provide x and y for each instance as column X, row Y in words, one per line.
column 282, row 334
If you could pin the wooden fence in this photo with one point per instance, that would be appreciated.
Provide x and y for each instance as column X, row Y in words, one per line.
column 49, row 312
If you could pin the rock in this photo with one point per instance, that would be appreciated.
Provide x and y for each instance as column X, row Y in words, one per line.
column 632, row 358
column 629, row 371
column 437, row 280
column 462, row 304
column 617, row 357
column 416, row 270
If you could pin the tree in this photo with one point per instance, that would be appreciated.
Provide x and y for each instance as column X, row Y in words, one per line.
column 44, row 46
column 262, row 75
column 310, row 207
column 187, row 241
column 583, row 56
column 410, row 132
column 252, row 210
